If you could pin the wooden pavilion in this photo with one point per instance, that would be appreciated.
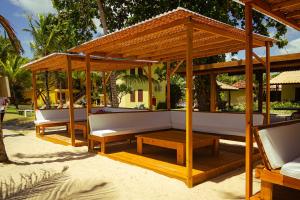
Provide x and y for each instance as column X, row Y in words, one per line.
column 176, row 36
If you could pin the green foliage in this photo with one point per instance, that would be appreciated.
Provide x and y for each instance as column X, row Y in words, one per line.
column 287, row 104
column 125, row 13
column 176, row 95
column 161, row 106
column 79, row 14
column 122, row 90
column 19, row 79
column 6, row 48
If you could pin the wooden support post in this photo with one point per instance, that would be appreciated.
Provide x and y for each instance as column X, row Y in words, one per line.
column 104, row 89
column 268, row 87
column 88, row 89
column 189, row 105
column 249, row 99
column 213, row 92
column 259, row 78
column 150, row 87
column 71, row 101
column 168, row 86
column 34, row 97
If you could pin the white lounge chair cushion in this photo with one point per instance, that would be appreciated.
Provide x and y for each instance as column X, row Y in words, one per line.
column 281, row 144
column 41, row 122
column 291, row 169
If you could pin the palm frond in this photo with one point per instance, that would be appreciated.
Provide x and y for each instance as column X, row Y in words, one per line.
column 33, row 185
column 11, row 34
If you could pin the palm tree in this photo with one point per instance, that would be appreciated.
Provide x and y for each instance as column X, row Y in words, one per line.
column 112, row 78
column 11, row 35
column 18, row 48
column 44, row 31
column 18, row 77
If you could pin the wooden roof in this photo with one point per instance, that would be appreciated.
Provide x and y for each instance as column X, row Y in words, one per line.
column 285, row 11
column 163, row 38
column 291, row 77
column 225, row 86
column 278, row 63
column 58, row 61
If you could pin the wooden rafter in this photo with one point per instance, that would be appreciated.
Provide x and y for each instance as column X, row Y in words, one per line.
column 176, row 68
column 107, row 77
column 267, row 8
column 285, row 4
column 259, row 59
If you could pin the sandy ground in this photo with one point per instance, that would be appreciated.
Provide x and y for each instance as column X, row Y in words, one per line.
column 90, row 174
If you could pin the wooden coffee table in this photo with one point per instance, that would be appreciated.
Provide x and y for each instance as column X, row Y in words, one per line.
column 174, row 139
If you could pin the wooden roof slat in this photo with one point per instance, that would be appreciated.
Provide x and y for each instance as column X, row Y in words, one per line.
column 196, row 47
column 267, row 7
column 294, row 14
column 285, row 4
column 159, row 30
column 166, row 42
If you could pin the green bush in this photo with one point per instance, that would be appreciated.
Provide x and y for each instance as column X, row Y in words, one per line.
column 161, row 106
column 288, row 104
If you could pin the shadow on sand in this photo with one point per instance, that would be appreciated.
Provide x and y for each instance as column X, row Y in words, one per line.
column 46, row 184
column 58, row 157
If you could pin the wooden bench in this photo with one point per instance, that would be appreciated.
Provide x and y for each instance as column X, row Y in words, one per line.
column 280, row 151
column 173, row 139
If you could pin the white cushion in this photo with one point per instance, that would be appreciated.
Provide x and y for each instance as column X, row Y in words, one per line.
column 40, row 122
column 281, row 144
column 218, row 123
column 228, row 123
column 291, row 169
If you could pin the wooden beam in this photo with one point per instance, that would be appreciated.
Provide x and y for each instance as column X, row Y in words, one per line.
column 176, row 68
column 259, row 59
column 107, row 78
column 249, row 99
column 88, row 89
column 168, row 76
column 104, row 89
column 266, row 8
column 268, row 86
column 71, row 101
column 150, row 87
column 189, row 104
column 259, row 78
column 213, row 92
column 34, row 97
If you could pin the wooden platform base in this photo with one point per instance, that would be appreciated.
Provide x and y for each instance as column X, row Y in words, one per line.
column 163, row 161
column 63, row 138
column 280, row 193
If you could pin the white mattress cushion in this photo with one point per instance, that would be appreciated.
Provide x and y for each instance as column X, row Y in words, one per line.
column 281, row 144
column 108, row 132
column 291, row 169
column 41, row 122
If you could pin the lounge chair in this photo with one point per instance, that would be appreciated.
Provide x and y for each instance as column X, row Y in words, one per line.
column 279, row 146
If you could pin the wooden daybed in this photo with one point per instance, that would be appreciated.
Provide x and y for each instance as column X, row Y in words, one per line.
column 60, row 117
column 111, row 127
column 280, row 150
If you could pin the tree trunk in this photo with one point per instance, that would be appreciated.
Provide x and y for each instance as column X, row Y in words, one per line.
column 47, row 89
column 3, row 155
column 112, row 80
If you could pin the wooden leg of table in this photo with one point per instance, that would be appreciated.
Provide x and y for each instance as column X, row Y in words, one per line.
column 103, row 147
column 139, row 143
column 266, row 192
column 37, row 130
column 180, row 154
column 216, row 147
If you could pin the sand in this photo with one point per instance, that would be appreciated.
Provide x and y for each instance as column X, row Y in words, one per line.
column 101, row 177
